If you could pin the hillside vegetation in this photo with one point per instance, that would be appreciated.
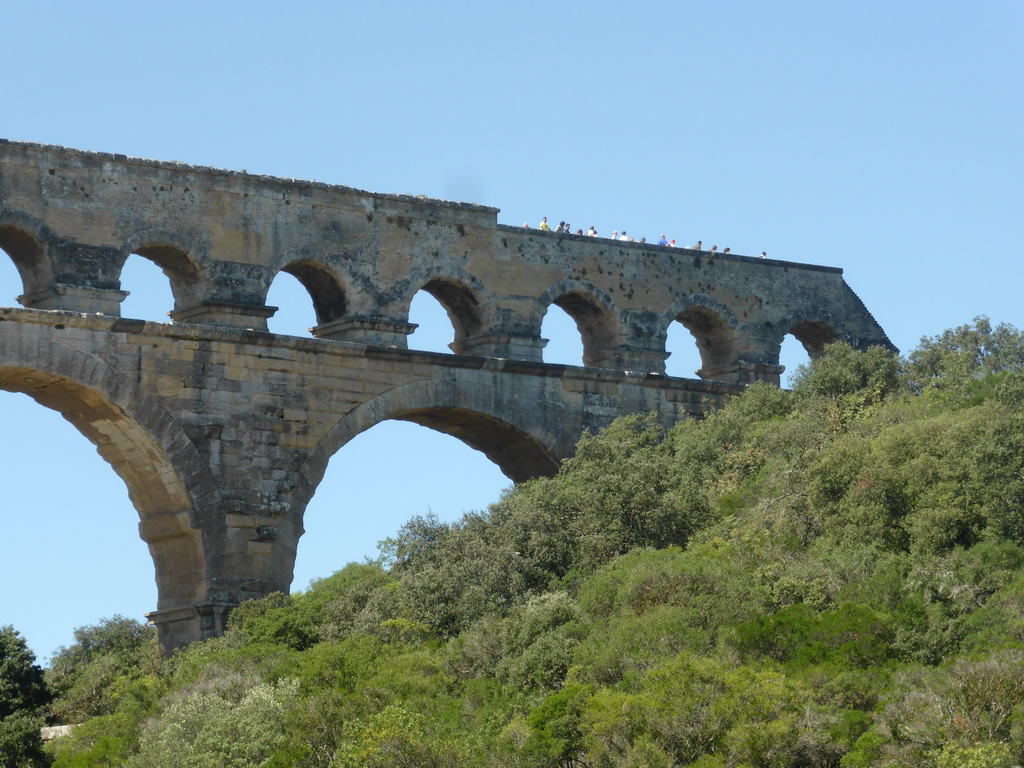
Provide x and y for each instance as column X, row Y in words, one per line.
column 828, row 576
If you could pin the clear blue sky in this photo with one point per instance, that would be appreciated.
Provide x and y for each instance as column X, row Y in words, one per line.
column 880, row 137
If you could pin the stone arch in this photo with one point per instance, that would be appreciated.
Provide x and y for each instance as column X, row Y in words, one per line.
column 161, row 467
column 814, row 327
column 181, row 259
column 501, row 430
column 595, row 313
column 463, row 297
column 24, row 239
column 713, row 326
column 328, row 288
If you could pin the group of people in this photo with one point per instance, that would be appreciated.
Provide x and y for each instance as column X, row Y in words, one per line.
column 567, row 228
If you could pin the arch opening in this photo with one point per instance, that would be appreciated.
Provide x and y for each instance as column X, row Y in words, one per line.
column 295, row 315
column 150, row 296
column 715, row 338
column 792, row 355
column 68, row 522
column 11, row 284
column 26, row 256
column 804, row 342
column 564, row 343
column 329, row 302
column 684, row 359
column 353, row 510
column 814, row 335
column 154, row 483
column 596, row 323
column 177, row 266
column 434, row 331
column 488, row 451
column 461, row 306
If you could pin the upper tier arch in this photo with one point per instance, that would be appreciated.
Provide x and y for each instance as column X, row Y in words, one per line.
column 595, row 313
column 22, row 238
column 463, row 295
column 714, row 328
column 182, row 260
column 814, row 328
column 327, row 284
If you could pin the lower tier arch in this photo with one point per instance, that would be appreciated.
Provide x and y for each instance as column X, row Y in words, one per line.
column 144, row 446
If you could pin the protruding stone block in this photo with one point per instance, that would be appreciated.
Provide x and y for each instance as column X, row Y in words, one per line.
column 226, row 313
column 73, row 298
column 381, row 333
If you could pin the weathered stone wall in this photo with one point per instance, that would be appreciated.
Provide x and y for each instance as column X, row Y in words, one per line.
column 222, row 431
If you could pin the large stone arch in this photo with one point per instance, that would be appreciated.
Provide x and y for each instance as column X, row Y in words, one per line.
column 166, row 478
column 595, row 313
column 463, row 296
column 182, row 259
column 502, row 429
column 714, row 328
column 24, row 239
column 814, row 328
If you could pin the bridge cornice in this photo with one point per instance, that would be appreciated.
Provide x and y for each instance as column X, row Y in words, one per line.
column 62, row 320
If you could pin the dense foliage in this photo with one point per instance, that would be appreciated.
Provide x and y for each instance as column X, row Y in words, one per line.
column 828, row 576
column 23, row 696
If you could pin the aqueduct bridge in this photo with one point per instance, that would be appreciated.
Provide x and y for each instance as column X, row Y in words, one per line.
column 222, row 431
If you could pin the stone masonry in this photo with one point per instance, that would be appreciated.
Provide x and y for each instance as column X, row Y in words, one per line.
column 222, row 431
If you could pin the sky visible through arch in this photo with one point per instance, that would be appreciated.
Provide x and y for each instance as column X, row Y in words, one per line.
column 883, row 138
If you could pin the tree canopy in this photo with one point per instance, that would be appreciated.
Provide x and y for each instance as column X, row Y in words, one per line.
column 23, row 697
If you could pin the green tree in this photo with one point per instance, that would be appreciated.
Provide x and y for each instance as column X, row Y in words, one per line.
column 550, row 736
column 849, row 383
column 981, row 755
column 396, row 738
column 355, row 599
column 851, row 633
column 690, row 708
column 20, row 743
column 273, row 619
column 115, row 661
column 962, row 355
column 537, row 641
column 100, row 742
column 201, row 728
column 23, row 695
